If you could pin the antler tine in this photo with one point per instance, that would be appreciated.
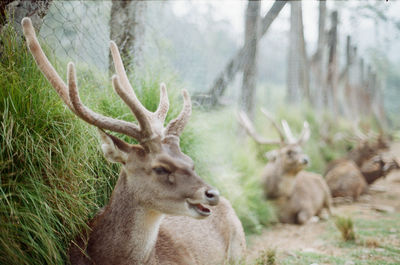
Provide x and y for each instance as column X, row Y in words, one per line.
column 163, row 106
column 94, row 118
column 305, row 133
column 276, row 126
column 176, row 126
column 248, row 126
column 70, row 94
column 288, row 132
column 128, row 95
column 43, row 63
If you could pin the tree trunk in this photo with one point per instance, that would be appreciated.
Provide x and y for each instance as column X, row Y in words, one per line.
column 127, row 29
column 330, row 95
column 304, row 63
column 297, row 75
column 12, row 12
column 319, row 58
column 235, row 64
column 249, row 64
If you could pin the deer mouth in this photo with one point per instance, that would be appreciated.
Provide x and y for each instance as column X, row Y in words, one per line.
column 199, row 208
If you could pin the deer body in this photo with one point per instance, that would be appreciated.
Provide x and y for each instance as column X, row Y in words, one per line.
column 344, row 179
column 309, row 196
column 160, row 211
column 350, row 176
column 298, row 195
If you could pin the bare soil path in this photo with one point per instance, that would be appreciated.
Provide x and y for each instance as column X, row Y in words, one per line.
column 377, row 226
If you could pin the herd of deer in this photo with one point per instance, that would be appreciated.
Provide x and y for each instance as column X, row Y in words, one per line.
column 162, row 212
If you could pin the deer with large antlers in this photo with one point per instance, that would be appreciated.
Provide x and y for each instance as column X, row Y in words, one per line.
column 298, row 195
column 151, row 217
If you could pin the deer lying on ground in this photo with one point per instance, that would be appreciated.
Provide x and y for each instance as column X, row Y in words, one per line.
column 378, row 163
column 298, row 195
column 345, row 179
column 379, row 166
column 369, row 160
column 151, row 217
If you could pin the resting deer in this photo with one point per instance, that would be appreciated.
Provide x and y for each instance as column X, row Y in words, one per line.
column 152, row 216
column 349, row 177
column 345, row 179
column 299, row 195
column 379, row 166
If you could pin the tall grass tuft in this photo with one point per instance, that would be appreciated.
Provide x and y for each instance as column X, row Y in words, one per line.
column 266, row 257
column 346, row 228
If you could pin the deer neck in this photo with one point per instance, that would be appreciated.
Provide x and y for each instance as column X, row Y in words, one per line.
column 287, row 181
column 286, row 186
column 125, row 230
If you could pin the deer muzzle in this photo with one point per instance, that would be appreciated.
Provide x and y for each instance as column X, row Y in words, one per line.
column 202, row 197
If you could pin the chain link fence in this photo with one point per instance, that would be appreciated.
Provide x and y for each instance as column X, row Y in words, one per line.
column 78, row 31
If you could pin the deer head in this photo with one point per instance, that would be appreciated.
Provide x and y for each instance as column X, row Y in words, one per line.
column 156, row 173
column 367, row 145
column 289, row 155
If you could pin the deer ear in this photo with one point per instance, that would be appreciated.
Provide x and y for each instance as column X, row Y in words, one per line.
column 114, row 149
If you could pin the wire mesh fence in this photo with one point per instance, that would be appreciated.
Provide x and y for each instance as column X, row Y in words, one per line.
column 78, row 31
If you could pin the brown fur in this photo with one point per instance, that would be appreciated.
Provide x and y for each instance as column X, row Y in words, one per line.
column 309, row 196
column 344, row 179
column 378, row 166
column 180, row 240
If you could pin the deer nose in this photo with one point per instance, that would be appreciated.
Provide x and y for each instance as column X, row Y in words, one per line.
column 305, row 161
column 212, row 196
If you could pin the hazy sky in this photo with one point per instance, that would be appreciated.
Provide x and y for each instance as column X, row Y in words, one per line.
column 362, row 30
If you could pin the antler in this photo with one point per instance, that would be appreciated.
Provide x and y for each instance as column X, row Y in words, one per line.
column 276, row 126
column 305, row 133
column 288, row 135
column 288, row 132
column 248, row 126
column 150, row 123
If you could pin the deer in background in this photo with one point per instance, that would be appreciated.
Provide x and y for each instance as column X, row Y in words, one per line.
column 153, row 216
column 369, row 160
column 298, row 195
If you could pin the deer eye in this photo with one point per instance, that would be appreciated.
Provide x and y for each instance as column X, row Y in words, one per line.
column 161, row 170
column 290, row 152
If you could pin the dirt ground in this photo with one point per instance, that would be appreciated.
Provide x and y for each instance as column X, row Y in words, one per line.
column 382, row 202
